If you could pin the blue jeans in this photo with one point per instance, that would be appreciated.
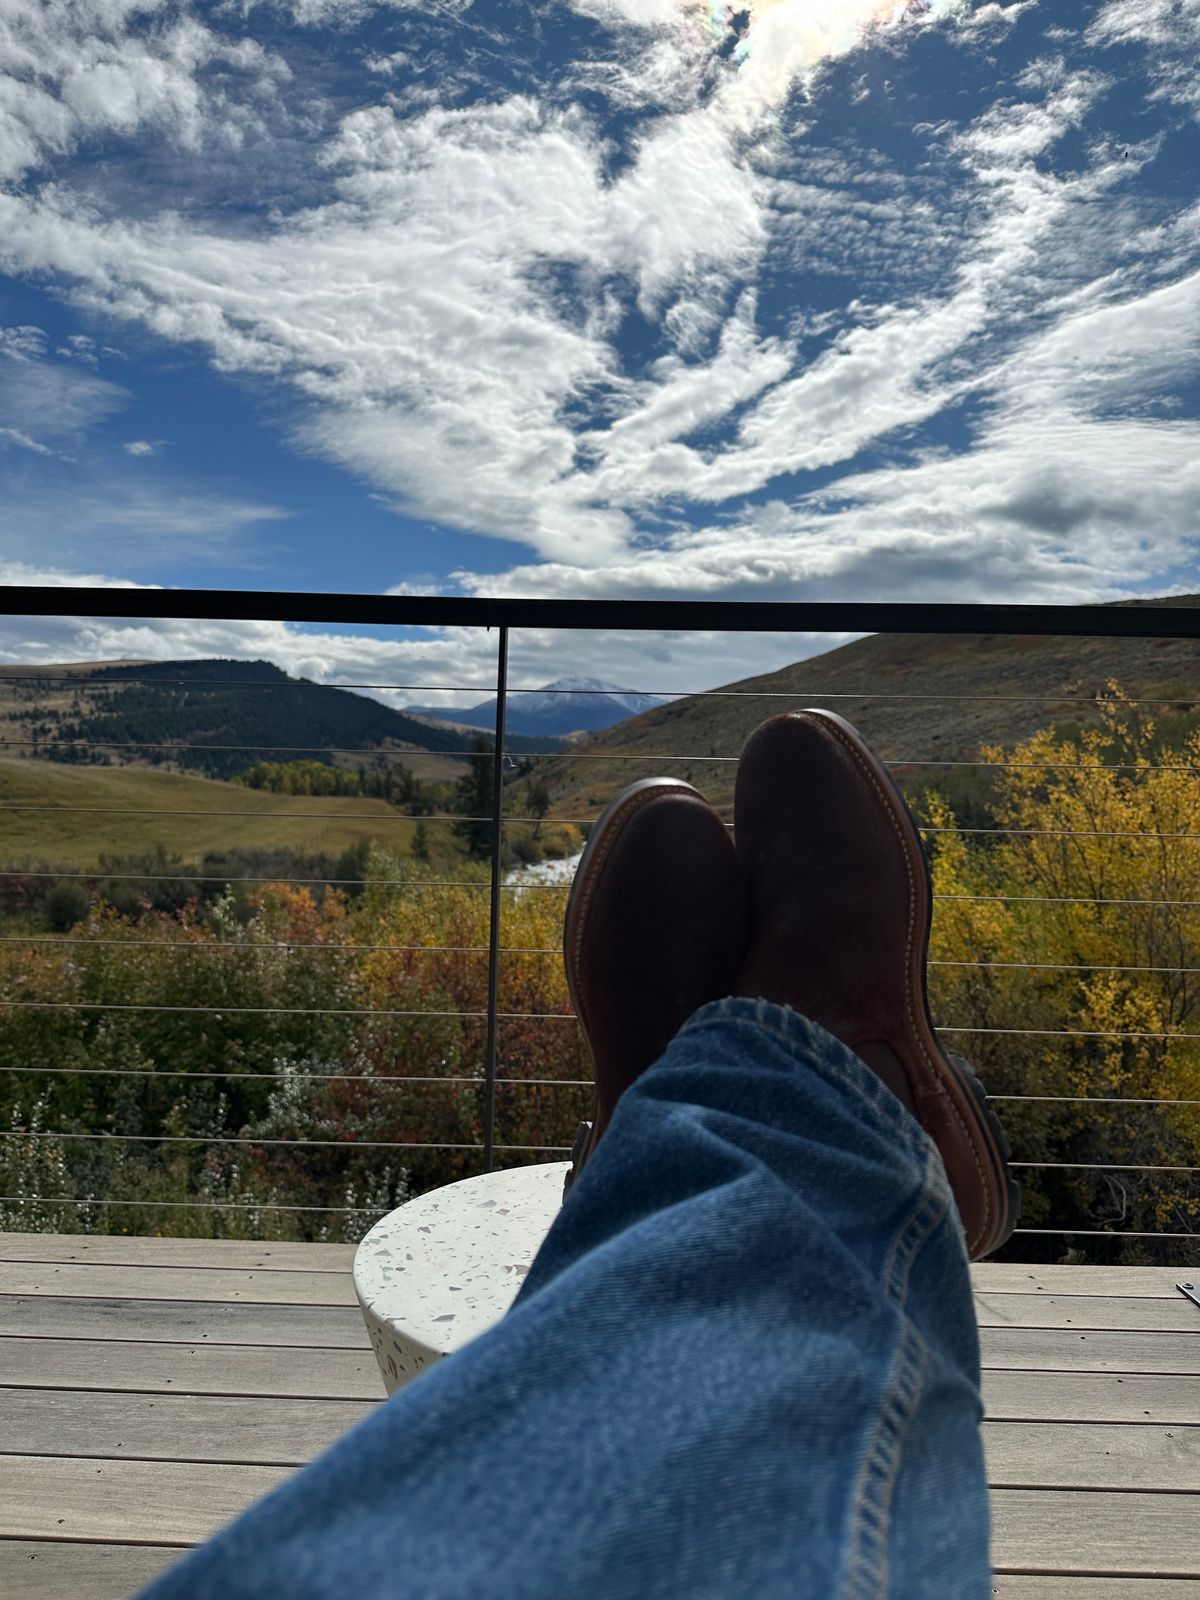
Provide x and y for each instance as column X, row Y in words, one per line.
column 745, row 1362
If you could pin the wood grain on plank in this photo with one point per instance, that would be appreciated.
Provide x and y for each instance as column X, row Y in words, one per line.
column 58, row 1497
column 186, row 1321
column 177, row 1283
column 170, row 1427
column 1083, row 1311
column 1025, row 1586
column 1065, row 1349
column 124, row 1251
column 190, row 1369
column 1091, row 1397
column 1091, row 1455
column 43, row 1569
column 290, row 1432
column 1061, row 1531
column 1017, row 1277
column 1155, row 1535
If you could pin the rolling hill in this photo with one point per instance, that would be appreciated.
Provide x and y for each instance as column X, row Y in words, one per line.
column 77, row 815
column 926, row 703
column 215, row 717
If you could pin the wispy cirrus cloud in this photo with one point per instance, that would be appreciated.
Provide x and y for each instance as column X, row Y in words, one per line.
column 656, row 305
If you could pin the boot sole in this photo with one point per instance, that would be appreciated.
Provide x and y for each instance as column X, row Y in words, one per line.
column 980, row 1123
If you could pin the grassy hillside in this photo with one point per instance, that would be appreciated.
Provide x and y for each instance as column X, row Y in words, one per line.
column 187, row 816
column 214, row 717
column 922, row 700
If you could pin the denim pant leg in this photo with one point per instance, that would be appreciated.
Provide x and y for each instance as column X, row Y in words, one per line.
column 745, row 1362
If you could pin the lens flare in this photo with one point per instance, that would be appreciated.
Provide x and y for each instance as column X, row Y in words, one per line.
column 782, row 42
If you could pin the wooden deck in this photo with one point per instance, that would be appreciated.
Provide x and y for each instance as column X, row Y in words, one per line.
column 146, row 1400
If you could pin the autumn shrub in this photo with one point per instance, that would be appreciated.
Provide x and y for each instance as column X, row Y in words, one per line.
column 1065, row 952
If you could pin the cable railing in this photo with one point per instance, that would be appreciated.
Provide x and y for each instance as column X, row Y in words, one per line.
column 368, row 971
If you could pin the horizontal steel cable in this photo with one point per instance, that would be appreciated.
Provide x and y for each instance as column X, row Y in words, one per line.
column 30, row 941
column 184, row 1205
column 241, row 1205
column 81, row 681
column 508, row 1016
column 1098, row 1166
column 263, row 1144
column 366, row 1080
column 551, row 755
column 1065, row 1033
column 528, row 888
column 248, row 947
column 890, row 761
column 276, row 816
column 1096, row 1233
column 512, row 1016
column 450, row 816
column 284, row 1011
column 1075, row 1099
column 223, row 877
column 402, row 1144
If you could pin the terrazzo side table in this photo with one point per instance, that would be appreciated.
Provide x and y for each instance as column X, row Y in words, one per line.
column 435, row 1272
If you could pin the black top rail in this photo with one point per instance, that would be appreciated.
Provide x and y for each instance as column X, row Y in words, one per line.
column 1129, row 619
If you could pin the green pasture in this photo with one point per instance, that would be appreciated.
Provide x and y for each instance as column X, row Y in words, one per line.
column 74, row 816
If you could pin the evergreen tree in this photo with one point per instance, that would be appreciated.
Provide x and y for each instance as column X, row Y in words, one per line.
column 473, row 794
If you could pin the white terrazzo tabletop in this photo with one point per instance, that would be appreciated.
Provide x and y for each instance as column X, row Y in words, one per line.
column 436, row 1272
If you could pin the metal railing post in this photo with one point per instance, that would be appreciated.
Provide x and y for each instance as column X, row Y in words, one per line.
column 490, row 1050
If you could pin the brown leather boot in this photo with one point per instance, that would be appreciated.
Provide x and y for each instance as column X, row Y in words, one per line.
column 655, row 928
column 840, row 905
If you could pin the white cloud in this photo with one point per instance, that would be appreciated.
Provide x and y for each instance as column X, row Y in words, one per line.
column 50, row 399
column 22, row 441
column 1170, row 32
column 452, row 304
column 139, row 447
column 83, row 68
column 450, row 312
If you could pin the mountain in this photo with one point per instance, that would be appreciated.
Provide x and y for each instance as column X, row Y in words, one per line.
column 212, row 716
column 926, row 702
column 568, row 705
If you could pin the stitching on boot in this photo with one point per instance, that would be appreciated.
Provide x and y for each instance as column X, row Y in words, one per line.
column 899, row 831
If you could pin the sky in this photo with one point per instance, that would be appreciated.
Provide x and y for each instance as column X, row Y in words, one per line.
column 810, row 299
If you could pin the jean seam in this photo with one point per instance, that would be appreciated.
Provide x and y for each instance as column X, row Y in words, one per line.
column 917, row 1147
column 867, row 1564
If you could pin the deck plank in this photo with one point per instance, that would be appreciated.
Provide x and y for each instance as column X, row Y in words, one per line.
column 217, row 1284
column 173, row 1427
column 140, row 1251
column 1144, row 1314
column 45, row 1569
column 156, row 1502
column 190, row 1369
column 1092, row 1455
column 69, row 1316
column 1026, row 1586
column 182, row 1322
column 1059, row 1350
column 1085, row 1532
column 1017, row 1277
column 254, row 1431
column 1091, row 1397
column 1066, row 1531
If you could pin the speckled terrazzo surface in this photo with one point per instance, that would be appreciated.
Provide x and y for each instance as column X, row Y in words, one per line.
column 438, row 1271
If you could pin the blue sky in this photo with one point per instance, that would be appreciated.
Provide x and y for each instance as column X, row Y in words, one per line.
column 812, row 299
